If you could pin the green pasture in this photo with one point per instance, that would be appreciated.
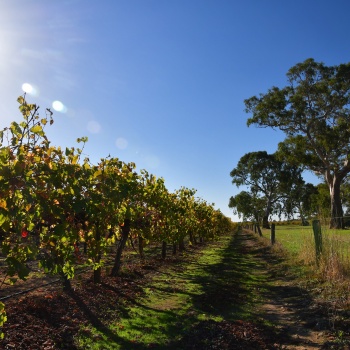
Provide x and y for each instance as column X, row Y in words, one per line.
column 299, row 241
column 292, row 237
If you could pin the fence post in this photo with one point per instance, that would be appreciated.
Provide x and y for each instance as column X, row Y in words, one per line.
column 273, row 235
column 316, row 226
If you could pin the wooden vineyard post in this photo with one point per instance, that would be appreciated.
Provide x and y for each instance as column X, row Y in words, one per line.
column 316, row 226
column 273, row 234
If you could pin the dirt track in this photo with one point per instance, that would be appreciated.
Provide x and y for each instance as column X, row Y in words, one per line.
column 300, row 322
column 283, row 314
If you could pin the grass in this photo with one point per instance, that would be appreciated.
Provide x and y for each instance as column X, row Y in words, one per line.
column 223, row 281
column 210, row 285
column 290, row 237
column 299, row 241
column 330, row 274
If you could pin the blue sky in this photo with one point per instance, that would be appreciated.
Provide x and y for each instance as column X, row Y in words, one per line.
column 162, row 82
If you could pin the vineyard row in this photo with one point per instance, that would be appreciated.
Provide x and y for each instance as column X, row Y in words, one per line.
column 53, row 200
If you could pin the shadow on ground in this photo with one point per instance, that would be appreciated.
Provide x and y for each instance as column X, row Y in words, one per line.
column 226, row 293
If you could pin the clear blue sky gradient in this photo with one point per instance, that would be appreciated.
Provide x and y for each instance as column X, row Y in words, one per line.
column 162, row 82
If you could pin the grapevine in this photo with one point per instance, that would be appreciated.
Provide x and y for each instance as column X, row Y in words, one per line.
column 53, row 202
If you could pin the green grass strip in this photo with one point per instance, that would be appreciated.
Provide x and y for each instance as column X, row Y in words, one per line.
column 218, row 283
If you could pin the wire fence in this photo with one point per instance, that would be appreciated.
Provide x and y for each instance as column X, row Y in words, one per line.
column 318, row 245
column 313, row 243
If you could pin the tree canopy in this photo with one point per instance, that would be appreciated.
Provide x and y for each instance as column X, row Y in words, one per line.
column 248, row 205
column 313, row 111
column 267, row 177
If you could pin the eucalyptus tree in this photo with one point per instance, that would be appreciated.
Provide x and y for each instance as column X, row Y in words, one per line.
column 313, row 111
column 248, row 206
column 300, row 201
column 321, row 200
column 345, row 190
column 346, row 202
column 266, row 177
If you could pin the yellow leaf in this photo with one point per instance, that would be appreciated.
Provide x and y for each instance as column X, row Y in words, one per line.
column 3, row 203
column 75, row 159
column 97, row 173
column 36, row 129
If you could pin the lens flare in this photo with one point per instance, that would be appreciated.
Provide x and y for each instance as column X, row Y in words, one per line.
column 94, row 127
column 30, row 89
column 59, row 106
column 121, row 143
column 26, row 87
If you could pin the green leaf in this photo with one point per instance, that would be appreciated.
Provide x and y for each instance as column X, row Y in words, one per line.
column 15, row 128
column 3, row 219
column 37, row 129
column 3, row 317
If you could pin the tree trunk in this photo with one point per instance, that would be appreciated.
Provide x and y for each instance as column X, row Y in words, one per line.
column 191, row 238
column 164, row 250
column 337, row 220
column 257, row 225
column 265, row 222
column 97, row 272
column 66, row 282
column 120, row 247
column 304, row 222
column 97, row 275
column 259, row 229
column 181, row 245
column 174, row 248
column 141, row 242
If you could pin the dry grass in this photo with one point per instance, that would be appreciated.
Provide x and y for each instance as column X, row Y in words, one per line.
column 333, row 264
column 329, row 277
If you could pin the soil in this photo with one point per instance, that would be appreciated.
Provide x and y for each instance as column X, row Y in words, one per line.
column 289, row 317
column 300, row 322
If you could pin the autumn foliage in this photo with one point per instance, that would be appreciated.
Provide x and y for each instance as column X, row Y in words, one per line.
column 56, row 205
